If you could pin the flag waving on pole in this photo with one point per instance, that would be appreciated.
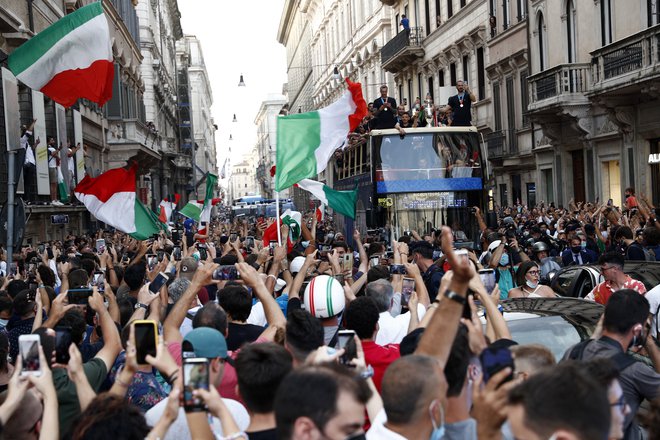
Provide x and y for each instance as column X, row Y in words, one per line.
column 166, row 208
column 341, row 201
column 306, row 141
column 111, row 198
column 293, row 220
column 205, row 215
column 70, row 59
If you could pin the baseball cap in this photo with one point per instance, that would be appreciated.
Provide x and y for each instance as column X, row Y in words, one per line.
column 296, row 264
column 494, row 245
column 188, row 267
column 207, row 343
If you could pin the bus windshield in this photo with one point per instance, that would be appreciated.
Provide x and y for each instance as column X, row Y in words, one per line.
column 436, row 161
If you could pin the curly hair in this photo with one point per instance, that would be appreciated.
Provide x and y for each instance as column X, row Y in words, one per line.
column 110, row 417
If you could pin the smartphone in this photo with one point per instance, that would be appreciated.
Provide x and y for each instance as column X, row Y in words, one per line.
column 146, row 339
column 407, row 288
column 176, row 236
column 158, row 282
column 79, row 296
column 374, row 261
column 340, row 277
column 397, row 269
column 227, row 272
column 160, row 255
column 347, row 262
column 49, row 251
column 28, row 346
column 42, row 248
column 176, row 253
column 488, row 278
column 62, row 344
column 195, row 377
column 345, row 340
column 151, row 261
column 13, row 270
column 249, row 241
column 495, row 360
column 271, row 247
column 31, row 268
column 99, row 280
column 232, row 237
column 100, row 245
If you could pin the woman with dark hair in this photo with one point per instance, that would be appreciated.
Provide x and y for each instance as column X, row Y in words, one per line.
column 109, row 417
column 527, row 279
column 6, row 369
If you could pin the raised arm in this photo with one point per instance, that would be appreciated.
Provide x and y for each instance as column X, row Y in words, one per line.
column 111, row 339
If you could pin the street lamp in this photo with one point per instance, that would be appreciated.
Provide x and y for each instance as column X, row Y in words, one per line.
column 231, row 138
column 235, row 120
column 241, row 83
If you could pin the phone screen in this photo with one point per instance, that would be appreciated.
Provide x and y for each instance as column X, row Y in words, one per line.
column 249, row 241
column 158, row 282
column 99, row 281
column 203, row 254
column 407, row 289
column 145, row 340
column 29, row 348
column 100, row 245
column 271, row 246
column 226, row 272
column 345, row 340
column 397, row 269
column 232, row 237
column 62, row 344
column 488, row 279
column 195, row 376
column 176, row 252
column 151, row 261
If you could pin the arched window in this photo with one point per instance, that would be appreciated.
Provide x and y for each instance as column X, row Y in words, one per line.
column 571, row 35
column 540, row 32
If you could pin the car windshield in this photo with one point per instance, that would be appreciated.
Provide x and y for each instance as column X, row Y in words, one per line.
column 555, row 332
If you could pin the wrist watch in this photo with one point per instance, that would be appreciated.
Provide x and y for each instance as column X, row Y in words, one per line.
column 140, row 305
column 450, row 294
column 367, row 373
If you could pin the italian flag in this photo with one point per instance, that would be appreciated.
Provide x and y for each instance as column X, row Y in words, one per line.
column 200, row 210
column 70, row 59
column 306, row 141
column 166, row 208
column 292, row 219
column 111, row 198
column 62, row 191
column 340, row 201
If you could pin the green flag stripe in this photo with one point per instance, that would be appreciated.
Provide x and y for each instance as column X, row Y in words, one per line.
column 341, row 201
column 211, row 179
column 29, row 52
column 298, row 137
column 145, row 224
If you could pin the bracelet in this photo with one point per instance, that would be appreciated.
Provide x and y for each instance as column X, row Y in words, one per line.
column 235, row 436
column 450, row 294
column 271, row 275
column 40, row 286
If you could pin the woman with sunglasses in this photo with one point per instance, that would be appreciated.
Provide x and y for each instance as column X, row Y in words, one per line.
column 527, row 277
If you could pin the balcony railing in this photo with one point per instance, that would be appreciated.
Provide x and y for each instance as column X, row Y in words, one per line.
column 564, row 79
column 502, row 143
column 401, row 42
column 630, row 56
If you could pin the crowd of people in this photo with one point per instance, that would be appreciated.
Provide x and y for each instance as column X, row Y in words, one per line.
column 213, row 333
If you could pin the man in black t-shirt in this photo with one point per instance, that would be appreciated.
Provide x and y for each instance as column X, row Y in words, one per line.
column 237, row 303
column 461, row 105
column 385, row 110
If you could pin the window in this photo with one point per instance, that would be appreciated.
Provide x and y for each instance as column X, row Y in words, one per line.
column 531, row 194
column 438, row 17
column 466, row 68
column 481, row 74
column 420, row 85
column 463, row 2
column 497, row 106
column 524, row 98
column 441, row 78
column 504, row 195
column 411, row 98
column 605, row 22
column 452, row 73
column 450, row 8
column 652, row 12
column 431, row 86
column 427, row 16
column 506, row 14
column 522, row 9
column 541, row 38
column 570, row 31
column 547, row 180
column 511, row 115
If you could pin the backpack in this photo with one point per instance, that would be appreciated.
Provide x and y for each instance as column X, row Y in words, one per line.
column 621, row 360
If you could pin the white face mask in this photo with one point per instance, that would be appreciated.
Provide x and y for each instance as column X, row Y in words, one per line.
column 4, row 322
column 531, row 284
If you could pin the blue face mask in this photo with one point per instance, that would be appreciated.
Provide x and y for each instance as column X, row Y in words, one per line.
column 504, row 260
column 3, row 323
column 583, row 244
column 438, row 429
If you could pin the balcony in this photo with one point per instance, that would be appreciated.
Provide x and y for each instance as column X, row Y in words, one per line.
column 565, row 84
column 402, row 50
column 627, row 63
column 502, row 144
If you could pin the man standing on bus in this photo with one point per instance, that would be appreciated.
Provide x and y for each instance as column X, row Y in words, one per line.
column 461, row 105
column 385, row 110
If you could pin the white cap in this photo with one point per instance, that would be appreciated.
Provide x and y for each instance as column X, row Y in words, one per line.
column 494, row 245
column 296, row 264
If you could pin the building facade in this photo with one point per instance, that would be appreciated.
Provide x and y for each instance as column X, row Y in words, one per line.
column 594, row 95
column 243, row 180
column 266, row 122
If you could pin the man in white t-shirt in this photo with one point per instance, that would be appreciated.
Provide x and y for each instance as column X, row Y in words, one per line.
column 653, row 296
column 30, row 164
column 206, row 343
column 71, row 163
column 53, row 160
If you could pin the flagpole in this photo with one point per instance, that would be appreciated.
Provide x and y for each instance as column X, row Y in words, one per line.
column 277, row 217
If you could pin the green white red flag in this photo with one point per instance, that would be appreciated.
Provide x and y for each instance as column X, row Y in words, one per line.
column 70, row 59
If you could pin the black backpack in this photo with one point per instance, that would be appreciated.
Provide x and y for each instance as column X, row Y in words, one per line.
column 621, row 360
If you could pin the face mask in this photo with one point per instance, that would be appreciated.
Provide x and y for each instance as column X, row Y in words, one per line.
column 531, row 284
column 584, row 245
column 4, row 322
column 304, row 244
column 504, row 260
column 361, row 436
column 438, row 429
column 576, row 249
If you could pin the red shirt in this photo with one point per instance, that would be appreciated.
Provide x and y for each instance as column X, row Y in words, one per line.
column 602, row 292
column 380, row 357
